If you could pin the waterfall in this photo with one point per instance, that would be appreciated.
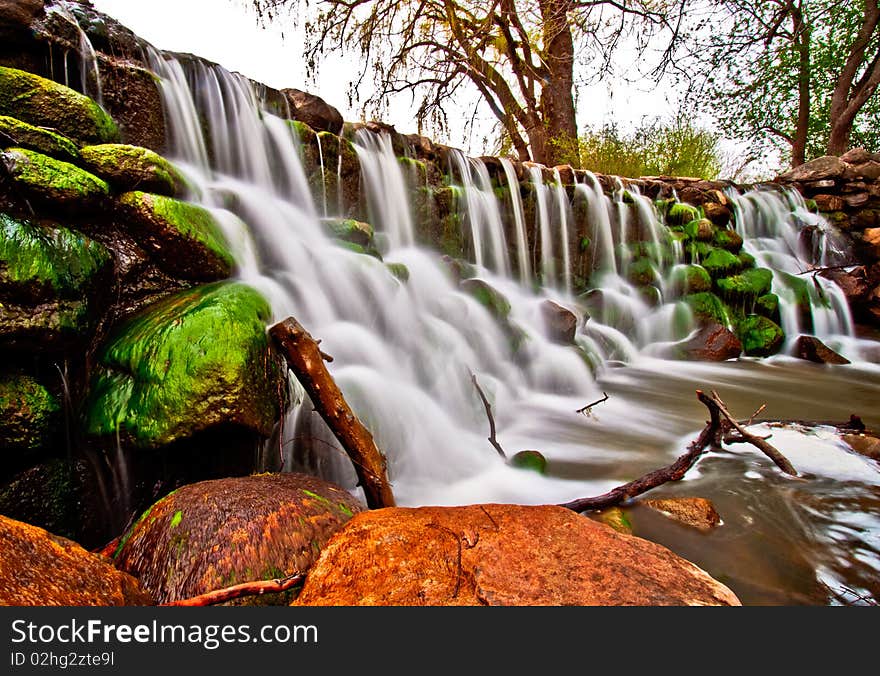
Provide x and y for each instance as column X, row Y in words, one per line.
column 519, row 222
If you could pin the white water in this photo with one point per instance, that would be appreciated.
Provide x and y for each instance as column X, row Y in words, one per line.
column 403, row 351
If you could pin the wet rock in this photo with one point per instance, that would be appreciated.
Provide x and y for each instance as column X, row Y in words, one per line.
column 768, row 306
column 195, row 360
column 531, row 460
column 215, row 534
column 701, row 230
column 760, row 336
column 854, row 282
column 721, row 263
column 864, row 444
column 399, row 271
column 41, row 569
column 707, row 306
column 59, row 186
column 813, row 349
column 642, row 272
column 691, row 279
column 827, row 203
column 499, row 555
column 560, row 323
column 747, row 285
column 29, row 416
column 680, row 213
column 183, row 238
column 127, row 167
column 697, row 513
column 856, row 156
column 821, row 168
column 717, row 213
column 488, row 296
column 17, row 16
column 349, row 230
column 711, row 342
column 15, row 133
column 132, row 97
column 856, row 200
column 314, row 111
column 44, row 103
column 458, row 268
column 613, row 517
column 730, row 240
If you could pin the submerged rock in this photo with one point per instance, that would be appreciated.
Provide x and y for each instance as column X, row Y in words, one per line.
column 349, row 230
column 128, row 167
column 184, row 238
column 697, row 513
column 488, row 296
column 813, row 349
column 41, row 569
column 44, row 103
column 215, row 534
column 499, row 555
column 197, row 359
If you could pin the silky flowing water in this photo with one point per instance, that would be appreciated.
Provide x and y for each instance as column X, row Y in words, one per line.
column 403, row 352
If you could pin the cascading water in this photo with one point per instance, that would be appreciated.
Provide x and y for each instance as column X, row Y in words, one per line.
column 404, row 351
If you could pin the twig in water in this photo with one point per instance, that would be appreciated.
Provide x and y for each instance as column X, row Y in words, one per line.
column 488, row 407
column 586, row 410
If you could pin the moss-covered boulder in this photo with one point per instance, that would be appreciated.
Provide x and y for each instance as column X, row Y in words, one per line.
column 56, row 184
column 214, row 534
column 488, row 296
column 15, row 133
column 729, row 240
column 708, row 306
column 127, row 167
column 399, row 271
column 641, row 272
column 768, row 306
column 193, row 361
column 680, row 214
column 700, row 229
column 349, row 230
column 760, row 336
column 49, row 278
column 29, row 415
column 746, row 286
column 44, row 103
column 721, row 263
column 184, row 239
column 529, row 460
column 691, row 279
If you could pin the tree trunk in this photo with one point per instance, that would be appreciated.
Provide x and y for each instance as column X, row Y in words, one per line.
column 557, row 100
column 802, row 34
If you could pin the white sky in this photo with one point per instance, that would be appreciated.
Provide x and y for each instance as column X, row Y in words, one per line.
column 226, row 31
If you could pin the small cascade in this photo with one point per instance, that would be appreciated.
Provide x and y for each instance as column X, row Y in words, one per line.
column 543, row 206
column 563, row 210
column 519, row 222
column 89, row 73
column 598, row 216
column 323, row 178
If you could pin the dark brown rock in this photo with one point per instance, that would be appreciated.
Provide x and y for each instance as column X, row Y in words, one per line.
column 813, row 349
column 313, row 110
column 697, row 513
column 509, row 555
column 857, row 200
column 717, row 213
column 869, row 170
column 41, row 569
column 560, row 323
column 711, row 342
column 214, row 534
column 132, row 97
column 819, row 169
column 17, row 17
column 856, row 156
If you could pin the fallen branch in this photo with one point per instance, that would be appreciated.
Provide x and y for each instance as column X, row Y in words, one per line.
column 492, row 439
column 259, row 588
column 306, row 360
column 586, row 409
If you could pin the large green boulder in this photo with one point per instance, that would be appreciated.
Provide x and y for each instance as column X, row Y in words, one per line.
column 748, row 285
column 127, row 167
column 760, row 336
column 15, row 133
column 349, row 230
column 709, row 307
column 44, row 103
column 193, row 361
column 691, row 279
column 28, row 416
column 49, row 276
column 183, row 238
column 721, row 263
column 59, row 185
column 680, row 214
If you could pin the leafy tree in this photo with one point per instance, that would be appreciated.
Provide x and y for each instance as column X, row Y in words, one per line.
column 520, row 55
column 798, row 74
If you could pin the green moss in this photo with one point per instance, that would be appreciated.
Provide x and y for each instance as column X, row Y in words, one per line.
column 128, row 167
column 642, row 272
column 760, row 336
column 184, row 237
column 529, row 460
column 349, row 230
column 23, row 135
column 176, row 519
column 747, row 285
column 679, row 214
column 47, row 262
column 301, row 129
column 768, row 306
column 44, row 103
column 57, row 183
column 700, row 229
column 489, row 297
column 691, row 279
column 729, row 240
column 721, row 263
column 746, row 259
column 28, row 414
column 709, row 306
column 192, row 361
column 399, row 270
column 358, row 249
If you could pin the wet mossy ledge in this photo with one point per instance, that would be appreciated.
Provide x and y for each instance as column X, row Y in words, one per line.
column 121, row 331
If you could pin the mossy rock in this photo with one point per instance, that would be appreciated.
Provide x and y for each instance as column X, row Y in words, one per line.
column 399, row 271
column 529, row 460
column 721, row 263
column 760, row 336
column 46, row 494
column 349, row 230
column 48, row 279
column 642, row 272
column 488, row 296
column 184, row 238
column 127, row 167
column 680, row 214
column 193, row 361
column 58, row 185
column 44, row 103
column 691, row 279
column 371, row 251
column 215, row 534
column 15, row 133
column 730, row 240
column 708, row 306
column 700, row 229
column 768, row 306
column 747, row 285
column 29, row 415
column 746, row 259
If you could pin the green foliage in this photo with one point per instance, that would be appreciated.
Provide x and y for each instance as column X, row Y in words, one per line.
column 656, row 147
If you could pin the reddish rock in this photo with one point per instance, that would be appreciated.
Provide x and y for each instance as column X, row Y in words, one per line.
column 853, row 282
column 560, row 323
column 313, row 110
column 41, row 569
column 865, row 444
column 813, row 349
column 500, row 555
column 711, row 342
column 17, row 16
column 697, row 513
column 857, row 200
column 214, row 534
column 829, row 202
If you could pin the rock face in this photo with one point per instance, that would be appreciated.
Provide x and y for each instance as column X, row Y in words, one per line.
column 560, row 323
column 41, row 569
column 711, row 342
column 499, row 555
column 813, row 349
column 29, row 414
column 170, row 372
column 216, row 534
column 313, row 110
column 697, row 513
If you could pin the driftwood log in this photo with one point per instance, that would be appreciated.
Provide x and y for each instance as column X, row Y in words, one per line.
column 306, row 360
